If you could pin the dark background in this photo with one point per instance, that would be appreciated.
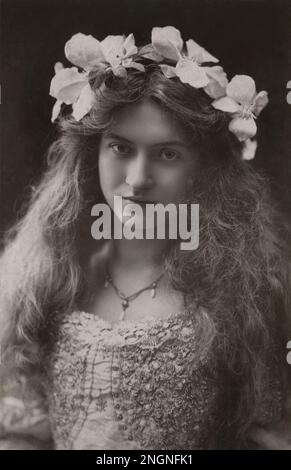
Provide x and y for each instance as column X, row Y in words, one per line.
column 251, row 37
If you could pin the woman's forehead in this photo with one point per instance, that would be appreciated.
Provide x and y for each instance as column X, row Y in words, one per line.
column 146, row 122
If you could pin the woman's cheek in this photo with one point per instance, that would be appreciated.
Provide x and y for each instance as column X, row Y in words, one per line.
column 176, row 179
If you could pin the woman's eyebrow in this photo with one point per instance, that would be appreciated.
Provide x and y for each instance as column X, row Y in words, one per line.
column 111, row 135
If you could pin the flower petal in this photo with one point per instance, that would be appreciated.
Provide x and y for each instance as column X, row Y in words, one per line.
column 226, row 104
column 198, row 53
column 216, row 87
column 126, row 62
column 70, row 93
column 168, row 70
column 67, row 84
column 81, row 49
column 58, row 66
column 261, row 100
column 242, row 89
column 249, row 149
column 129, row 46
column 84, row 103
column 56, row 110
column 137, row 66
column 243, row 128
column 167, row 41
column 191, row 73
column 218, row 74
column 111, row 47
column 149, row 52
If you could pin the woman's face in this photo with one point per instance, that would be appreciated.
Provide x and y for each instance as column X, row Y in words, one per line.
column 145, row 155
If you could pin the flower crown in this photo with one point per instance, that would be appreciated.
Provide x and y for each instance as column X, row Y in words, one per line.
column 191, row 63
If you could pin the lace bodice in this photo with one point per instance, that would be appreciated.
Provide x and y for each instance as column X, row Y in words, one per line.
column 131, row 385
column 135, row 385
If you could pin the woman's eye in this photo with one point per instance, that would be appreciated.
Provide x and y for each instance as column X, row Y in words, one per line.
column 169, row 155
column 121, row 149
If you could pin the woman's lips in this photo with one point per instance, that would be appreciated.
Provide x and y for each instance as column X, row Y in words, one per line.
column 139, row 201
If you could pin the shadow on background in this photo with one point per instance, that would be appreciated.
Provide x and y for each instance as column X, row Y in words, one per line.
column 250, row 37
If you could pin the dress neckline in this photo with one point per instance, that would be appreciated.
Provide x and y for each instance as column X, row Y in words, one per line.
column 121, row 324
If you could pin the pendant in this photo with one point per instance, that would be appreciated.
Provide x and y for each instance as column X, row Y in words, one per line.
column 124, row 304
column 106, row 283
column 153, row 291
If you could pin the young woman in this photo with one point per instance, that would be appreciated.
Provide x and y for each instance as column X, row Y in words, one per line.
column 135, row 343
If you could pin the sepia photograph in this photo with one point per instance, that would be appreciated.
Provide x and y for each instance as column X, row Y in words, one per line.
column 145, row 226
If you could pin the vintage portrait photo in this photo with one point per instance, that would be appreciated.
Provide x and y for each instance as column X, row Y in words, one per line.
column 145, row 238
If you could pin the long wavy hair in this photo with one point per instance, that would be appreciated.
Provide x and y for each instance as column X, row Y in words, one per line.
column 238, row 275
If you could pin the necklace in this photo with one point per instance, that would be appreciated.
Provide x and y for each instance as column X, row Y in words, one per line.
column 129, row 298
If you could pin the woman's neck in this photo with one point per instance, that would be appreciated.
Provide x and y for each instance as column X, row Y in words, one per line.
column 138, row 254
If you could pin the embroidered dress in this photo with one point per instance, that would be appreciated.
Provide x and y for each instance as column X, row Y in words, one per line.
column 128, row 385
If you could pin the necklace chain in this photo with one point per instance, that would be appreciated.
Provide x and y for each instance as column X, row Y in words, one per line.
column 126, row 299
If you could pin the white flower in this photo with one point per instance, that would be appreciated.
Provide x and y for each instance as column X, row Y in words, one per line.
column 189, row 68
column 67, row 84
column 119, row 52
column 244, row 103
column 70, row 86
column 83, row 50
column 168, row 43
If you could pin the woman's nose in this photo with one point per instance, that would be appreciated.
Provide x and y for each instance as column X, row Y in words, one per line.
column 138, row 173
